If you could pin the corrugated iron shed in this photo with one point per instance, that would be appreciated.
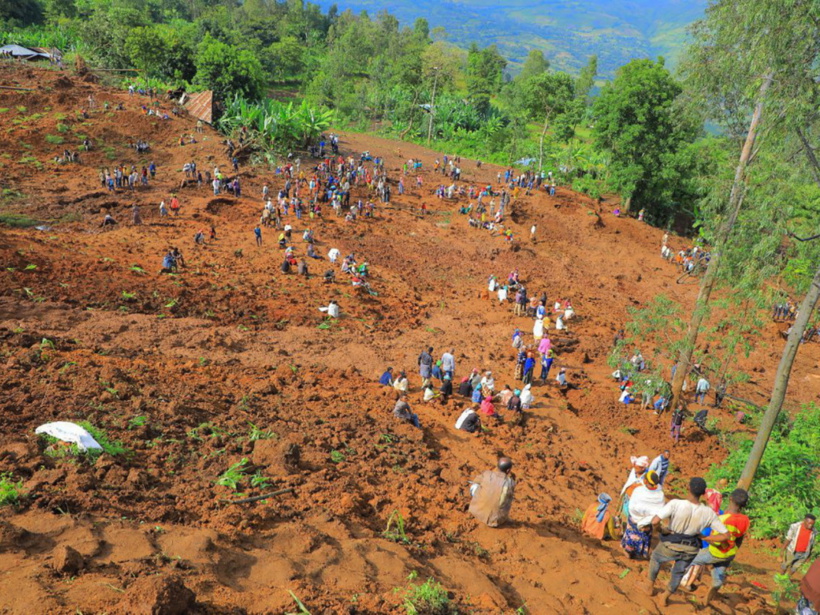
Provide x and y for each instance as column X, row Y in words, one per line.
column 201, row 106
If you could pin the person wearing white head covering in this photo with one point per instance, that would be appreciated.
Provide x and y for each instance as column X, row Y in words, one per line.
column 488, row 384
column 635, row 478
column 538, row 329
column 526, row 397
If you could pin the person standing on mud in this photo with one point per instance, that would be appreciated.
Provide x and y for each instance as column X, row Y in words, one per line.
column 492, row 494
column 448, row 363
column 258, row 234
column 426, row 366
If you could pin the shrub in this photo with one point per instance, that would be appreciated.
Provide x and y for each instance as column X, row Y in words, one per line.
column 429, row 598
column 54, row 139
column 11, row 491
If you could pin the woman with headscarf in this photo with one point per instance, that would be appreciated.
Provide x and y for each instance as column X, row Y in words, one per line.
column 526, row 397
column 646, row 501
column 487, row 408
column 400, row 384
column 502, row 294
column 475, row 379
column 437, row 373
column 538, row 329
column 597, row 520
column 520, row 359
column 639, row 467
column 488, row 384
column 446, row 389
column 465, row 389
column 476, row 396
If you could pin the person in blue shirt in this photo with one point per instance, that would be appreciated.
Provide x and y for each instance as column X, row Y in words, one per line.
column 529, row 367
column 437, row 373
column 387, row 377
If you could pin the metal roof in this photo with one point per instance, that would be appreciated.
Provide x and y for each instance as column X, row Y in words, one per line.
column 201, row 106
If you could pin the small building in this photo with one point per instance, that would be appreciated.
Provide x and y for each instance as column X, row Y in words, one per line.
column 30, row 53
column 201, row 106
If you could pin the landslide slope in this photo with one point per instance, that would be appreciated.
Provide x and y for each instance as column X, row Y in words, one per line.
column 231, row 364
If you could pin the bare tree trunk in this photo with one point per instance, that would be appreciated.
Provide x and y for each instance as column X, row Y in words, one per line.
column 781, row 383
column 541, row 143
column 707, row 284
column 784, row 369
column 412, row 116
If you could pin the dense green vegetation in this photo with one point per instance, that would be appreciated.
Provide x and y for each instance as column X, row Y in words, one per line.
column 787, row 485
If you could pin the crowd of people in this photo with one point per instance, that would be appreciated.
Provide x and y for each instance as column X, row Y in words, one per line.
column 702, row 531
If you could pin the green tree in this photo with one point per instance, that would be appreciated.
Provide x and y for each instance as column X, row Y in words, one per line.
column 586, row 79
column 546, row 96
column 421, row 28
column 534, row 65
column 484, row 75
column 286, row 58
column 60, row 8
column 20, row 13
column 228, row 70
column 638, row 122
column 146, row 49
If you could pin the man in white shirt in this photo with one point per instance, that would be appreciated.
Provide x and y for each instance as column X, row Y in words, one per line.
column 681, row 542
column 701, row 389
column 448, row 363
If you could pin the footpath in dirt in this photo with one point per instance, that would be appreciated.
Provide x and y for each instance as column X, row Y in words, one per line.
column 230, row 363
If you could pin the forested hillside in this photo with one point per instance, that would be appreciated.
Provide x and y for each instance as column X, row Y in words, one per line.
column 567, row 32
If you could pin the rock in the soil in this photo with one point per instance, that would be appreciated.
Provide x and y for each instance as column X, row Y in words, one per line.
column 281, row 457
column 67, row 560
column 157, row 596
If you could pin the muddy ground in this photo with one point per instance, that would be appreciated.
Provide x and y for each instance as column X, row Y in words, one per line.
column 232, row 360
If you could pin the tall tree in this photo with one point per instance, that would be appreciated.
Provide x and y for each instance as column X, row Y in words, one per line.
column 20, row 13
column 228, row 70
column 732, row 65
column 485, row 68
column 586, row 79
column 534, row 65
column 638, row 122
column 546, row 96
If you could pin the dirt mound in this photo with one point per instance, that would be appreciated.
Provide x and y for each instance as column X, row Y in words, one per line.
column 225, row 381
column 157, row 596
column 63, row 83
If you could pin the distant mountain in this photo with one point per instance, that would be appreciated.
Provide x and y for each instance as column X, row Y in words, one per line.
column 567, row 31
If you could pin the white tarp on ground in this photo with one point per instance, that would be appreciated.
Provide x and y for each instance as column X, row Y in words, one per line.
column 70, row 432
column 28, row 53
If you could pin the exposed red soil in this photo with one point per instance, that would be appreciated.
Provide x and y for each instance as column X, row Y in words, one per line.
column 232, row 342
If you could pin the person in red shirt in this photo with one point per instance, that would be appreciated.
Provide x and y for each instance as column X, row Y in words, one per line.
column 799, row 544
column 720, row 555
